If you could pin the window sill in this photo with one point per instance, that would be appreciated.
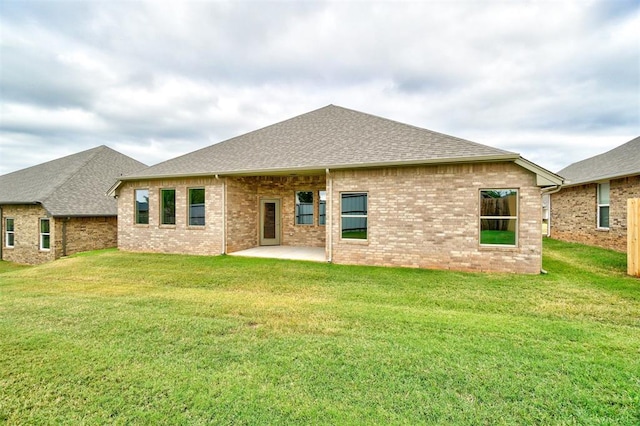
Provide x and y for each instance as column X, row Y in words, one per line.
column 354, row 241
column 197, row 227
column 487, row 247
column 167, row 226
column 141, row 225
column 603, row 229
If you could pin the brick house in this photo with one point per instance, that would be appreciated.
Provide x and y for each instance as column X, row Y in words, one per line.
column 367, row 190
column 61, row 207
column 591, row 207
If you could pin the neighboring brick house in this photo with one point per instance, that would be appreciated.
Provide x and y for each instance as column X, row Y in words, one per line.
column 371, row 191
column 61, row 207
column 591, row 207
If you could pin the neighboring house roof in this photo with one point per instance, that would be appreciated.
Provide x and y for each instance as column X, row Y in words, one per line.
column 328, row 138
column 75, row 185
column 619, row 162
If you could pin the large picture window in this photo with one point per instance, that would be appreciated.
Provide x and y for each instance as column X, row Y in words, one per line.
column 45, row 234
column 499, row 217
column 9, row 232
column 142, row 206
column 304, row 207
column 322, row 207
column 196, row 207
column 603, row 205
column 168, row 206
column 353, row 208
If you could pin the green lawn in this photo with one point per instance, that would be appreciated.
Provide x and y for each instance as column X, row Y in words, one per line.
column 110, row 337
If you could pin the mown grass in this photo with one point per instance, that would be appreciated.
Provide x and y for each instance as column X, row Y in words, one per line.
column 122, row 338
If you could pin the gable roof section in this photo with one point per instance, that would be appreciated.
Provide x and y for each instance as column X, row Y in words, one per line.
column 74, row 185
column 619, row 162
column 330, row 137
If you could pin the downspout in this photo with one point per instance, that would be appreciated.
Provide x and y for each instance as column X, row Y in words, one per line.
column 223, row 212
column 2, row 236
column 64, row 236
column 552, row 190
column 329, row 214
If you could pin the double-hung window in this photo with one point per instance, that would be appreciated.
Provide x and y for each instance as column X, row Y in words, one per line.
column 142, row 206
column 9, row 232
column 168, row 206
column 603, row 205
column 196, row 207
column 499, row 217
column 304, row 207
column 45, row 234
column 353, row 217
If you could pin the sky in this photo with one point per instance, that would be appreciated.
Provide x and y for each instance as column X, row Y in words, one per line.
column 556, row 81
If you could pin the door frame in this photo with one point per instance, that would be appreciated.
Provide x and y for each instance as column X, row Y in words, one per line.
column 278, row 225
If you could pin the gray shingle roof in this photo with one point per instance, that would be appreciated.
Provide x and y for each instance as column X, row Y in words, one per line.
column 330, row 137
column 75, row 185
column 621, row 161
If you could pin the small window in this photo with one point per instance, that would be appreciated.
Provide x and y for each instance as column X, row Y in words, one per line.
column 142, row 206
column 168, row 206
column 196, row 207
column 9, row 227
column 304, row 208
column 603, row 205
column 45, row 234
column 499, row 217
column 353, row 208
column 322, row 207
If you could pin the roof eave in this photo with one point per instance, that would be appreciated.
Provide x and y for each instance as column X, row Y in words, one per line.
column 322, row 168
column 544, row 177
column 569, row 183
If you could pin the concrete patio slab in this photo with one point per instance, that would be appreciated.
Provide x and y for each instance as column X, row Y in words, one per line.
column 314, row 254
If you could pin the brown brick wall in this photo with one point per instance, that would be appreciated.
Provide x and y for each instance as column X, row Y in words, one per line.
column 424, row 216
column 428, row 217
column 242, row 214
column 574, row 214
column 84, row 234
column 27, row 235
column 284, row 188
column 178, row 238
column 242, row 195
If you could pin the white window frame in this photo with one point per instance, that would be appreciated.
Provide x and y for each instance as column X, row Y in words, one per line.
column 516, row 218
column 42, row 234
column 7, row 232
column 366, row 216
column 600, row 205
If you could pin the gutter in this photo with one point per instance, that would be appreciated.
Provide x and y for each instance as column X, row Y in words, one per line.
column 318, row 169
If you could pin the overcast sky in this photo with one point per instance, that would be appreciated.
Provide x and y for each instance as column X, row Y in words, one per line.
column 556, row 81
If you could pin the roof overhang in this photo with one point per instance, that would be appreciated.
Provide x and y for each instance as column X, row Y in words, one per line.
column 569, row 183
column 544, row 177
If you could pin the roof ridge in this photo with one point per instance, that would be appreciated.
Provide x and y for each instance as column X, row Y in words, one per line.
column 242, row 135
column 77, row 170
column 421, row 128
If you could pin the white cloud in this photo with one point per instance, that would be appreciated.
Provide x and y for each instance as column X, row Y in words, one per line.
column 157, row 81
